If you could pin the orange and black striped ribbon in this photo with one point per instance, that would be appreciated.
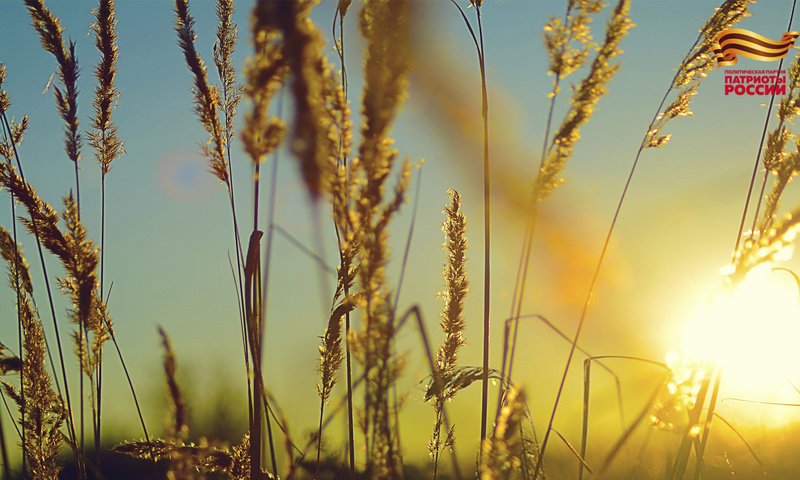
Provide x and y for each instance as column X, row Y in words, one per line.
column 737, row 41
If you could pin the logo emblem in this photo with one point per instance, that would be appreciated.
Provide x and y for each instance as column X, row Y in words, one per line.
column 737, row 41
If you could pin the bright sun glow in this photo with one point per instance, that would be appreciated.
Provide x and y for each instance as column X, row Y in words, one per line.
column 752, row 332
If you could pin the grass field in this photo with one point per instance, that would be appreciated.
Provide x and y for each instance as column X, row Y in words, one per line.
column 398, row 239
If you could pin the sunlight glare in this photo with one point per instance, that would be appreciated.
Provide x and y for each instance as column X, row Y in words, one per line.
column 751, row 331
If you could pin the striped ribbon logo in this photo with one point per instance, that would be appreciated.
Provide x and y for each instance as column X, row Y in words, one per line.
column 737, row 41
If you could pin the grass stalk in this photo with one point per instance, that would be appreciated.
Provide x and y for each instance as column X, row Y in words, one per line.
column 487, row 230
column 587, row 372
column 224, row 49
column 340, row 13
column 98, row 422
column 478, row 41
column 108, row 146
column 40, row 251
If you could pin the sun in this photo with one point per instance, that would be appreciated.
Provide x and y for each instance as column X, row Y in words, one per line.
column 751, row 332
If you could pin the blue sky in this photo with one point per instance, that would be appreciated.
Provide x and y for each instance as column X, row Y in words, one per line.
column 168, row 229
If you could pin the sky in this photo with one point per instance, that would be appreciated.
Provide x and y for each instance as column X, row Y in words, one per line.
column 168, row 229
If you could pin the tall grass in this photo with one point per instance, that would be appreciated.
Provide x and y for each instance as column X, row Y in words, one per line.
column 108, row 146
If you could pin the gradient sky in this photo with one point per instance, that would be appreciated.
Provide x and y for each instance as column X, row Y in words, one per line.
column 168, row 224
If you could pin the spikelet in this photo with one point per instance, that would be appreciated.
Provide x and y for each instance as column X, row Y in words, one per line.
column 385, row 26
column 227, row 34
column 266, row 71
column 80, row 284
column 343, row 185
column 102, row 333
column 105, row 138
column 81, row 267
column 568, row 41
column 331, row 354
column 19, row 268
column 586, row 95
column 302, row 49
column 17, row 133
column 452, row 320
column 502, row 453
column 17, row 129
column 461, row 378
column 178, row 420
column 206, row 96
column 680, row 107
column 789, row 106
column 701, row 60
column 694, row 69
column 44, row 413
column 771, row 245
column 457, row 285
column 9, row 363
column 5, row 102
column 77, row 254
column 52, row 38
column 783, row 166
column 43, row 218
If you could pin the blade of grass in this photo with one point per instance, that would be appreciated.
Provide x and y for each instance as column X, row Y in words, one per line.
column 574, row 452
column 617, row 446
column 298, row 244
column 744, row 441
